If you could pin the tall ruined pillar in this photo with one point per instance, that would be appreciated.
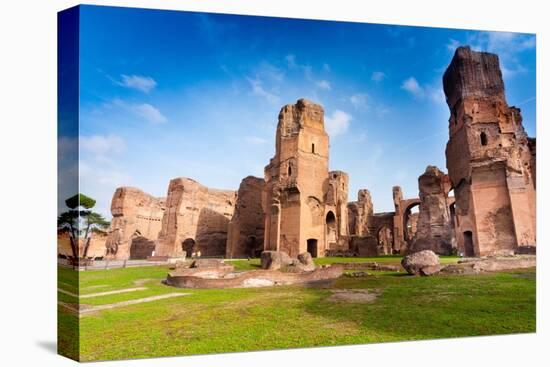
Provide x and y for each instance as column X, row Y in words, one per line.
column 296, row 182
column 488, row 159
column 435, row 229
column 398, row 224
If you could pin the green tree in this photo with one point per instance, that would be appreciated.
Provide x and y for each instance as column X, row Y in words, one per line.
column 80, row 221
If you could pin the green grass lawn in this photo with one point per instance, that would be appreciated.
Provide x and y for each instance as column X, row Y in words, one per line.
column 231, row 320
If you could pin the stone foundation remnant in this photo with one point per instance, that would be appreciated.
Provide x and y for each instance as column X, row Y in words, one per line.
column 304, row 204
column 136, row 223
column 245, row 237
column 435, row 227
column 489, row 159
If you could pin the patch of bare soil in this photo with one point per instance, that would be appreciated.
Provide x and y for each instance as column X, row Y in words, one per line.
column 143, row 281
column 354, row 295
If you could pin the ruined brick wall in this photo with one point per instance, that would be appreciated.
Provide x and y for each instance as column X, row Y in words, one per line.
column 401, row 234
column 488, row 158
column 195, row 212
column 435, row 227
column 135, row 214
column 298, row 185
column 336, row 200
column 245, row 236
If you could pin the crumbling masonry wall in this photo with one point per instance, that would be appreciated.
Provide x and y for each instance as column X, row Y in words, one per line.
column 195, row 214
column 245, row 236
column 435, row 227
column 488, row 159
column 136, row 216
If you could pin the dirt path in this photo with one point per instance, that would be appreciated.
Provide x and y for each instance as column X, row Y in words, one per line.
column 91, row 295
column 86, row 309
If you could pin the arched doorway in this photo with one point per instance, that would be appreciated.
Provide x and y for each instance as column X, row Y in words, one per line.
column 410, row 219
column 331, row 230
column 251, row 244
column 141, row 248
column 385, row 240
column 189, row 247
column 312, row 247
column 468, row 244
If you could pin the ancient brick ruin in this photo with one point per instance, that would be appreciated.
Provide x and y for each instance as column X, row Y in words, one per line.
column 195, row 220
column 490, row 163
column 435, row 227
column 305, row 205
column 245, row 237
column 300, row 206
column 137, row 219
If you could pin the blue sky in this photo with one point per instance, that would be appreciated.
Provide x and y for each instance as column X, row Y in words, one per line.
column 166, row 94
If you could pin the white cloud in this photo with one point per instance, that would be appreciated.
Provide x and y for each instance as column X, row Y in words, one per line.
column 378, row 76
column 149, row 113
column 255, row 140
column 102, row 145
column 337, row 123
column 291, row 61
column 145, row 111
column 359, row 100
column 411, row 85
column 139, row 82
column 326, row 67
column 259, row 90
column 323, row 84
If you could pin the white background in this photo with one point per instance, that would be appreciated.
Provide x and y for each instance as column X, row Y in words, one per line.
column 28, row 182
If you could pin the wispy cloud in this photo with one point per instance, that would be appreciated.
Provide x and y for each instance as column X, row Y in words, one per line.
column 307, row 70
column 452, row 45
column 323, row 84
column 359, row 100
column 100, row 145
column 433, row 92
column 142, row 83
column 149, row 113
column 259, row 90
column 411, row 85
column 337, row 123
column 378, row 76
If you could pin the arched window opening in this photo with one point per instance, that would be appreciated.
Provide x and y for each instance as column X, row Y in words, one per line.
column 312, row 148
column 483, row 138
column 289, row 170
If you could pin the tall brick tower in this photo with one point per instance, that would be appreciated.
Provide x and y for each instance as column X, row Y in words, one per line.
column 488, row 159
column 297, row 182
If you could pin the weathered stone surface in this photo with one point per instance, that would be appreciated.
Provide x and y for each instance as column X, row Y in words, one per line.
column 490, row 163
column 245, row 236
column 196, row 220
column 421, row 263
column 435, row 228
column 305, row 262
column 275, row 260
column 474, row 266
column 255, row 278
column 304, row 203
column 137, row 220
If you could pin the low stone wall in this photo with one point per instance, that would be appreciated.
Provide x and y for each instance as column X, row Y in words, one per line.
column 255, row 278
column 369, row 266
column 474, row 266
